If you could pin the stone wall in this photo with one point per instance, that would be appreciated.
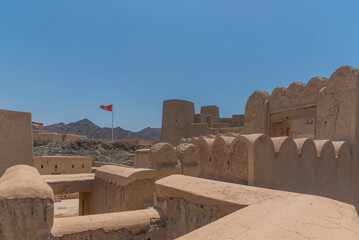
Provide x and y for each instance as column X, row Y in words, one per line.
column 48, row 165
column 15, row 139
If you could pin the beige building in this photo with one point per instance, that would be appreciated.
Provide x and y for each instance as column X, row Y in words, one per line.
column 52, row 165
column 180, row 121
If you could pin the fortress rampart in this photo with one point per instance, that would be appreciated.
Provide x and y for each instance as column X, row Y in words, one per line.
column 322, row 109
column 319, row 167
column 268, row 185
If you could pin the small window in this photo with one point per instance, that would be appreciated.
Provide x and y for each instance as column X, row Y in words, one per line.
column 73, row 166
column 83, row 166
column 55, row 166
column 42, row 166
column 176, row 120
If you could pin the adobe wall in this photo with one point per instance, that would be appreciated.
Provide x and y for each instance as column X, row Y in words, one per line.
column 190, row 203
column 331, row 104
column 134, row 225
column 70, row 183
column 121, row 189
column 180, row 121
column 177, row 114
column 256, row 113
column 72, row 137
column 47, row 165
column 320, row 167
column 168, row 160
column 210, row 110
column 297, row 95
column 45, row 136
column 15, row 139
column 26, row 204
column 337, row 114
column 197, row 129
column 141, row 158
column 144, row 143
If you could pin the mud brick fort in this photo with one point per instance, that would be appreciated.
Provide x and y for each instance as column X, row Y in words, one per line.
column 286, row 169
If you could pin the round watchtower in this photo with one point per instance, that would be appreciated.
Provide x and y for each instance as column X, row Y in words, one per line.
column 176, row 116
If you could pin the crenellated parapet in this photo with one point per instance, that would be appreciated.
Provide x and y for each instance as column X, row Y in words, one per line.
column 321, row 109
column 296, row 95
column 321, row 167
column 167, row 160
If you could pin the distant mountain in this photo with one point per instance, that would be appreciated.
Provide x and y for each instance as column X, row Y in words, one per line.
column 92, row 131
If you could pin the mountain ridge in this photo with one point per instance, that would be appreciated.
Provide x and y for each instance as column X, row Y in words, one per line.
column 89, row 129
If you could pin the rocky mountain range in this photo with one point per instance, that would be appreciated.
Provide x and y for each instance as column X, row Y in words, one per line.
column 87, row 128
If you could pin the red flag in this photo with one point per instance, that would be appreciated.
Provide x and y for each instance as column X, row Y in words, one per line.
column 107, row 108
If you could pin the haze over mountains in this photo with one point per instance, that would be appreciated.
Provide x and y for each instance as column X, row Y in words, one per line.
column 92, row 131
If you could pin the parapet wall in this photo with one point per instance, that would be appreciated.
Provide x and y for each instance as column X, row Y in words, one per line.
column 141, row 158
column 297, row 95
column 263, row 213
column 48, row 165
column 136, row 225
column 168, row 160
column 319, row 167
column 26, row 204
column 321, row 109
column 121, row 189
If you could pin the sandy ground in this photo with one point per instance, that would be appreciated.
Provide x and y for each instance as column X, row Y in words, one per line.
column 67, row 208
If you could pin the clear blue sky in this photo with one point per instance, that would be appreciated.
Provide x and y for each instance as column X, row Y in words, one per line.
column 60, row 60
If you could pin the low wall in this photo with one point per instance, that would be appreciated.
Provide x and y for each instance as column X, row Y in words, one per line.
column 72, row 137
column 168, row 160
column 26, row 204
column 320, row 167
column 45, row 136
column 141, row 158
column 70, row 183
column 15, row 139
column 197, row 208
column 134, row 225
column 42, row 136
column 47, row 165
column 190, row 203
column 144, row 143
column 121, row 189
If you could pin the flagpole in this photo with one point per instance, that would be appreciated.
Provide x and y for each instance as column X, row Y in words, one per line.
column 112, row 122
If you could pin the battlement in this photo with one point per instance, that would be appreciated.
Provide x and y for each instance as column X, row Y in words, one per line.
column 320, row 167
